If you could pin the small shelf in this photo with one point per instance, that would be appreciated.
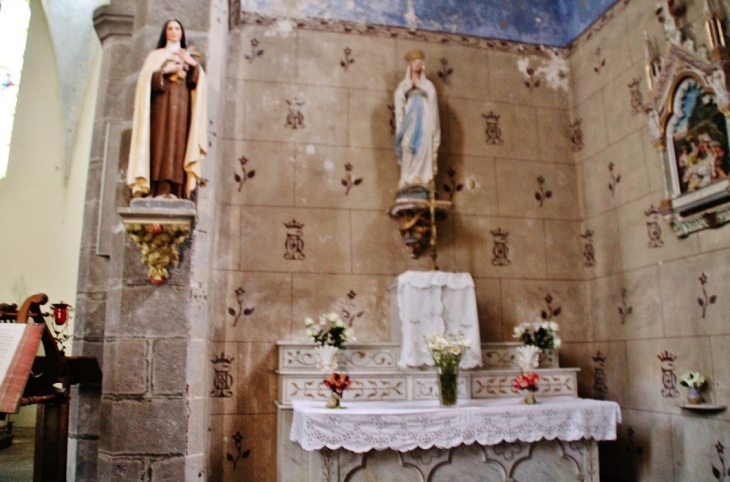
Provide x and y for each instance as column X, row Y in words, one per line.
column 703, row 407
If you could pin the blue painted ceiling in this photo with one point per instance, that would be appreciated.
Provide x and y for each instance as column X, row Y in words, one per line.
column 549, row 22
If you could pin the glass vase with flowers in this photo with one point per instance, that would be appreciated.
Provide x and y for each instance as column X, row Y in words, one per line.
column 446, row 351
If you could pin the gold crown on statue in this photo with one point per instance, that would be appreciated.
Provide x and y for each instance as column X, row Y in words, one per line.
column 414, row 55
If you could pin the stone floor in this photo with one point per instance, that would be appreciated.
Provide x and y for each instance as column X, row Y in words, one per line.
column 16, row 462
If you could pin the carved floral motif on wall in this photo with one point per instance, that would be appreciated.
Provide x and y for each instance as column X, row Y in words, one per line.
column 240, row 453
column 550, row 312
column 542, row 194
column 236, row 313
column 550, row 71
column 634, row 451
column 255, row 51
column 349, row 180
column 575, row 135
column 348, row 60
column 350, row 308
column 705, row 300
column 600, row 61
column 445, row 71
column 721, row 470
column 624, row 309
column 245, row 175
column 615, row 178
column 452, row 186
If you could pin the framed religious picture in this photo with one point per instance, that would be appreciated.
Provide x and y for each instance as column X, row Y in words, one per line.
column 688, row 114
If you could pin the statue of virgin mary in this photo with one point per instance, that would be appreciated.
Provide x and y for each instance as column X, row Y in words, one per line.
column 418, row 133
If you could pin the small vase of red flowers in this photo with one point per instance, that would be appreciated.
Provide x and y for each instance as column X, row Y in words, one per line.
column 338, row 383
column 527, row 382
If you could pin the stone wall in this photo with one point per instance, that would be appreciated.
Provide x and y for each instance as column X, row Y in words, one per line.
column 149, row 422
column 327, row 177
column 644, row 293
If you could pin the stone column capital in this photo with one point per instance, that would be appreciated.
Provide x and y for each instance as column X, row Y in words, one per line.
column 116, row 18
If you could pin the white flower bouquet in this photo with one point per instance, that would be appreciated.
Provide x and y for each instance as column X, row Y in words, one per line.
column 330, row 330
column 540, row 333
column 692, row 380
column 447, row 349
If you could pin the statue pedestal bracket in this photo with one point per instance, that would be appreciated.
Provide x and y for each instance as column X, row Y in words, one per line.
column 159, row 227
column 413, row 211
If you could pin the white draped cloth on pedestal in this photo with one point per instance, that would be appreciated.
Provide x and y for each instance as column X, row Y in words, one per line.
column 434, row 302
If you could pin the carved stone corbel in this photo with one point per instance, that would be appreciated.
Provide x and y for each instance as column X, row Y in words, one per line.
column 159, row 227
column 417, row 212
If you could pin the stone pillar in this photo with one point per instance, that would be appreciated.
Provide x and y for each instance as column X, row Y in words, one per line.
column 150, row 420
column 113, row 24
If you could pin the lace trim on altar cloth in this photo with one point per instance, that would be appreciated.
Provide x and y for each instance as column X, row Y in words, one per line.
column 405, row 426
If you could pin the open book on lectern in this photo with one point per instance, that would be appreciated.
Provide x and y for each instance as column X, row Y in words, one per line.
column 18, row 347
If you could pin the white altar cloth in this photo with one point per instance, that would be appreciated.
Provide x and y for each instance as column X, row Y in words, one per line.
column 405, row 426
column 433, row 302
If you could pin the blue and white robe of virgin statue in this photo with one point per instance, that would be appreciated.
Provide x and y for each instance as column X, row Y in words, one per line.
column 418, row 133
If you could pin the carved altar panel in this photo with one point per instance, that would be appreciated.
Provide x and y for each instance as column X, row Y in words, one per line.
column 498, row 384
column 303, row 357
column 376, row 375
column 364, row 387
column 384, row 356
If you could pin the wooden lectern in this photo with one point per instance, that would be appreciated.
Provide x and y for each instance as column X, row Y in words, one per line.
column 45, row 381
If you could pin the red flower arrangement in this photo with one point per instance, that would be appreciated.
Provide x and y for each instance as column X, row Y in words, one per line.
column 526, row 381
column 338, row 383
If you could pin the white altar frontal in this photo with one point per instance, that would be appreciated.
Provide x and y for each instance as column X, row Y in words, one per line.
column 393, row 429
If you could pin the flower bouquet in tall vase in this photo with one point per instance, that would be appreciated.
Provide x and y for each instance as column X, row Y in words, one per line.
column 446, row 351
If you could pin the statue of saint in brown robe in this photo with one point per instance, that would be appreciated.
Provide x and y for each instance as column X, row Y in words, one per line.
column 169, row 133
column 169, row 128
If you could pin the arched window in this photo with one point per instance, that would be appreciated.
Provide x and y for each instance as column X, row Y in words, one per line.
column 14, row 20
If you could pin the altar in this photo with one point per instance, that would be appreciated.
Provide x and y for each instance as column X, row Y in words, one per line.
column 393, row 429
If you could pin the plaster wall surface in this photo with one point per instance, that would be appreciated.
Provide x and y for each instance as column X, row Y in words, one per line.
column 645, row 323
column 302, row 204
